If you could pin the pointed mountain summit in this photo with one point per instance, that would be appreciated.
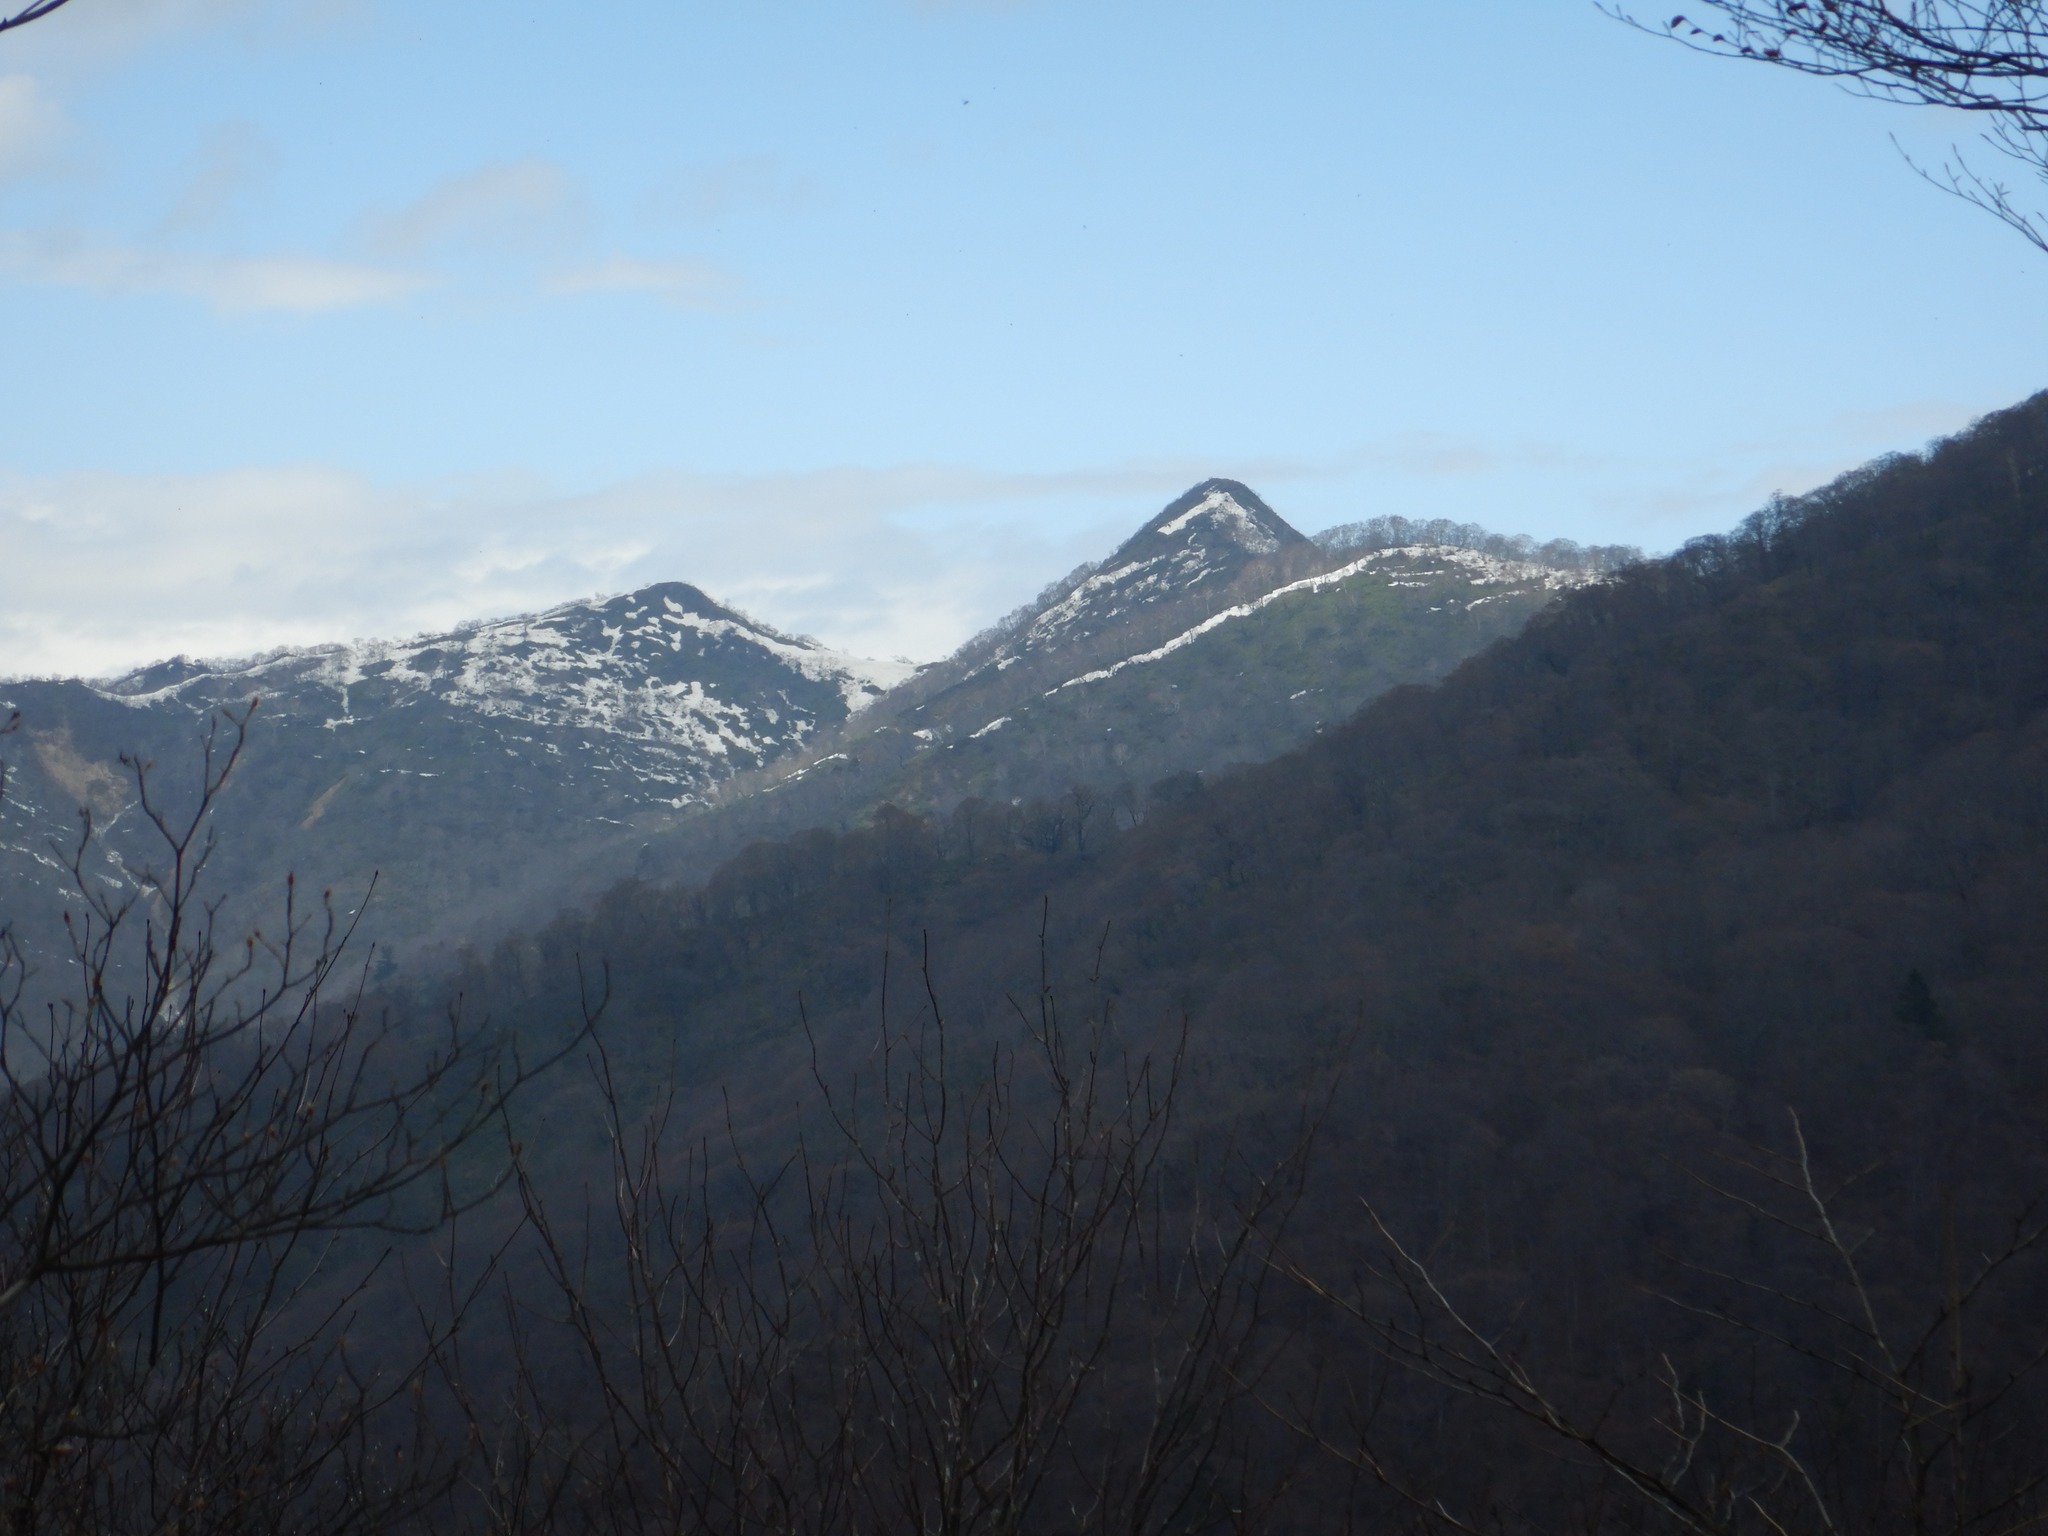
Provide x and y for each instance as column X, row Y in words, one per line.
column 1214, row 520
column 1214, row 635
column 1197, row 547
column 497, row 769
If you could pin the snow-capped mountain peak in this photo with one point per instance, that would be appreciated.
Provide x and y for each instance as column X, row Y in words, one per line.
column 685, row 688
column 1216, row 516
column 1201, row 541
column 454, row 768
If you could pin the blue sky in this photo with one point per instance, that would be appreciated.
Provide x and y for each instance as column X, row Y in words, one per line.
column 325, row 318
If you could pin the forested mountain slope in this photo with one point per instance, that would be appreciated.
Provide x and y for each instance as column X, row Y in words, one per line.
column 492, row 775
column 1758, row 827
column 1664, row 982
column 1744, row 790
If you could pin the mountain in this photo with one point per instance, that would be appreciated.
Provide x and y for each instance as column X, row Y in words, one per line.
column 1216, row 635
column 1653, row 999
column 493, row 774
column 1201, row 543
column 453, row 766
column 666, row 690
column 1667, row 977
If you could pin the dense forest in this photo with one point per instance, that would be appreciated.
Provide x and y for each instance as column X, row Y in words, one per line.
column 1603, row 1090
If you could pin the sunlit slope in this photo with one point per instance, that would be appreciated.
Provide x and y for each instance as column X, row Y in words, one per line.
column 455, row 769
column 490, row 776
column 1215, row 636
column 1240, row 687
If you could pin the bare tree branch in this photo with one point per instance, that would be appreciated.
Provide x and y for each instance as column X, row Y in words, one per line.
column 207, row 1152
column 34, row 12
column 1984, row 57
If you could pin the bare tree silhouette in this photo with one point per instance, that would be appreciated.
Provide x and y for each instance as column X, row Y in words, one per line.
column 1858, row 1405
column 206, row 1152
column 1986, row 57
column 995, row 1297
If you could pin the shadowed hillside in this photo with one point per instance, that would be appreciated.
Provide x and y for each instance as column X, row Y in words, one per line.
column 1755, row 828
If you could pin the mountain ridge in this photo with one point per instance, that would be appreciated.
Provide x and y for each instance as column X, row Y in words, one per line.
column 1705, row 912
column 494, row 770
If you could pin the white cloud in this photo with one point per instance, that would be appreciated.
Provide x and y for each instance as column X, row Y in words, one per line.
column 108, row 571
column 515, row 204
column 683, row 284
column 305, row 284
column 31, row 126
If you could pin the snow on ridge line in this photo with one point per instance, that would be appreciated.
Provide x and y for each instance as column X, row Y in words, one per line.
column 480, row 678
column 1495, row 570
column 1241, row 524
column 1050, row 619
column 852, row 673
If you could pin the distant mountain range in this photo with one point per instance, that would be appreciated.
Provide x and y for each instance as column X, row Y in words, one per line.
column 663, row 690
column 492, row 774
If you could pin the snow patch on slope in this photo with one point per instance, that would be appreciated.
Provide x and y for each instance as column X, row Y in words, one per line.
column 673, row 692
column 1479, row 569
column 1111, row 595
column 1230, row 518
